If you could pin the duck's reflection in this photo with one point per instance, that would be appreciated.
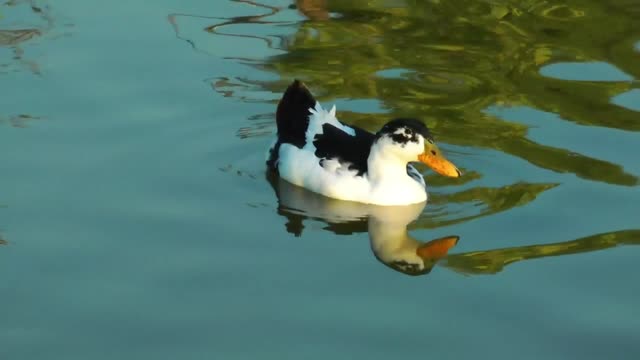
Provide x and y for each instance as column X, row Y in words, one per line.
column 390, row 242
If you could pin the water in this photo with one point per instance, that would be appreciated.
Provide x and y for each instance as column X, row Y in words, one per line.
column 138, row 222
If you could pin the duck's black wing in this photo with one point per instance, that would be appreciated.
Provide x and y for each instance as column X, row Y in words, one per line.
column 292, row 119
column 292, row 116
column 334, row 143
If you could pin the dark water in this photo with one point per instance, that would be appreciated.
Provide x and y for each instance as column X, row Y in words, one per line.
column 137, row 221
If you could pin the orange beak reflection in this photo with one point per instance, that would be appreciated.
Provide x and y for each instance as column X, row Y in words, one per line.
column 432, row 157
column 438, row 248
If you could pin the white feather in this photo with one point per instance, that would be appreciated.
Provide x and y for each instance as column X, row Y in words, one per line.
column 320, row 116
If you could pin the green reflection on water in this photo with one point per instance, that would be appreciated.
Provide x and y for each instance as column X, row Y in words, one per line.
column 455, row 59
column 490, row 200
column 494, row 261
column 448, row 63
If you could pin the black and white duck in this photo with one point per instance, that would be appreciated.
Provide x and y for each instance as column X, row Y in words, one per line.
column 316, row 151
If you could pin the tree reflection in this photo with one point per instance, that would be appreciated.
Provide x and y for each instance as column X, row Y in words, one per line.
column 457, row 58
column 448, row 63
column 485, row 200
column 493, row 261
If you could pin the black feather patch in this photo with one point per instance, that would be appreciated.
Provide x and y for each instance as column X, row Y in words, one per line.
column 334, row 143
column 292, row 119
column 292, row 116
column 405, row 130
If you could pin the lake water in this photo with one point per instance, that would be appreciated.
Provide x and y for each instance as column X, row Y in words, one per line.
column 137, row 221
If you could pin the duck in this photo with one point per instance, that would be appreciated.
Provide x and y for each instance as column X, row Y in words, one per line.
column 316, row 151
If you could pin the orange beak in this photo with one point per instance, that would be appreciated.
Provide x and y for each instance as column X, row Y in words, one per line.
column 436, row 249
column 432, row 157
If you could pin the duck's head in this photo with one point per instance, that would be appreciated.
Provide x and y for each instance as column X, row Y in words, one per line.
column 410, row 140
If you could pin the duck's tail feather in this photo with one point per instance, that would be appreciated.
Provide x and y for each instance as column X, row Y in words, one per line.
column 292, row 116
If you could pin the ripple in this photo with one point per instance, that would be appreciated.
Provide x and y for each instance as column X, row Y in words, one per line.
column 585, row 71
column 562, row 12
column 19, row 120
column 629, row 100
column 393, row 73
column 237, row 32
column 23, row 26
column 367, row 106
column 495, row 260
column 586, row 151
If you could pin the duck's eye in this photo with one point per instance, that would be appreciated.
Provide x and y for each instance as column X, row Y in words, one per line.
column 433, row 152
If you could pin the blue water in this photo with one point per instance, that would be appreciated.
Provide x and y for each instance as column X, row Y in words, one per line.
column 138, row 222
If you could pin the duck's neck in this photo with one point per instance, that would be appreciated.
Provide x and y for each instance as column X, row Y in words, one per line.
column 388, row 234
column 385, row 167
column 391, row 242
